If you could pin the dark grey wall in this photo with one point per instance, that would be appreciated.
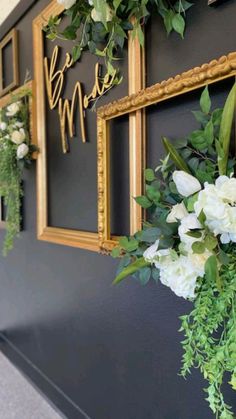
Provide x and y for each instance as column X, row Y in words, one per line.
column 97, row 351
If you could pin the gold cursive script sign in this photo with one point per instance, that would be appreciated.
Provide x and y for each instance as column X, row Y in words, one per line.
column 55, row 81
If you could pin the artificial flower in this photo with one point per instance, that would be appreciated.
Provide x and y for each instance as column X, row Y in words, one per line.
column 186, row 184
column 218, row 202
column 3, row 126
column 18, row 136
column 13, row 109
column 188, row 223
column 151, row 252
column 67, row 3
column 22, row 151
column 181, row 276
column 178, row 212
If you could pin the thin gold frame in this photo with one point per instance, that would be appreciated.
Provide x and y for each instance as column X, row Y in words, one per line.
column 215, row 71
column 10, row 37
column 75, row 238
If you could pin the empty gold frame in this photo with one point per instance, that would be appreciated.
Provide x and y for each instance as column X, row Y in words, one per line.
column 75, row 238
column 12, row 37
column 188, row 81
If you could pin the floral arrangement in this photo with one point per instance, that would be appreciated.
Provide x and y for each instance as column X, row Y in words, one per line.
column 102, row 26
column 15, row 154
column 189, row 243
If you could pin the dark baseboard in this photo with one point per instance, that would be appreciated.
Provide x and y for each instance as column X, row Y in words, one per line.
column 51, row 392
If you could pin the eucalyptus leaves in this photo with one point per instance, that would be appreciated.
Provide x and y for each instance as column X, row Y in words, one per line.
column 15, row 154
column 188, row 244
column 102, row 26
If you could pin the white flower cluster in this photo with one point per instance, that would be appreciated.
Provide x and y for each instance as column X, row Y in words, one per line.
column 218, row 204
column 14, row 131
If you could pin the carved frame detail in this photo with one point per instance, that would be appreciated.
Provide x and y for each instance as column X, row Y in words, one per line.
column 214, row 71
column 13, row 38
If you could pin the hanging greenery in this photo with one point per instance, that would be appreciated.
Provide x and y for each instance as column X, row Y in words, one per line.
column 102, row 26
column 15, row 154
column 189, row 243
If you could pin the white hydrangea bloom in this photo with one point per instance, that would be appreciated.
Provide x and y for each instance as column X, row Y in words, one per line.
column 181, row 275
column 218, row 203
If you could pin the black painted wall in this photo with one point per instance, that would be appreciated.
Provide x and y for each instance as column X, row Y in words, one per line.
column 97, row 351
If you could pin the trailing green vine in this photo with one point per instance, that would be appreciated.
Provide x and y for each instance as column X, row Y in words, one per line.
column 15, row 154
column 188, row 244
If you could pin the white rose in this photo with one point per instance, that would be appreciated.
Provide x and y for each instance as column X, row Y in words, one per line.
column 13, row 109
column 18, row 137
column 186, row 184
column 3, row 126
column 98, row 16
column 218, row 202
column 188, row 223
column 22, row 151
column 67, row 3
column 178, row 212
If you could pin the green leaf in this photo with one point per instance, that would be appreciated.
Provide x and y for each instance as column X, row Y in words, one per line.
column 182, row 5
column 195, row 234
column 205, row 101
column 225, row 129
column 169, row 15
column 209, row 132
column 150, row 175
column 115, row 252
column 145, row 275
column 202, row 217
column 143, row 201
column 128, row 244
column 175, row 156
column 150, row 235
column 198, row 247
column 131, row 269
column 76, row 53
column 178, row 24
column 210, row 242
column 211, row 271
column 191, row 201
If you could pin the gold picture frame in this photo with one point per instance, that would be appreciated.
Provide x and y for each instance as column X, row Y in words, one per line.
column 63, row 236
column 188, row 81
column 20, row 93
column 12, row 37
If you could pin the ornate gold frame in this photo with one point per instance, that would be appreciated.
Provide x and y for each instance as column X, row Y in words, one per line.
column 20, row 93
column 11, row 37
column 188, row 81
column 75, row 238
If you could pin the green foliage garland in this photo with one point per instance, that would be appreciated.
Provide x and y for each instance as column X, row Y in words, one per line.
column 15, row 154
column 202, row 158
column 102, row 26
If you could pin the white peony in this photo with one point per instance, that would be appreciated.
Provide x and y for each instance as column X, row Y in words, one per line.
column 13, row 109
column 67, row 3
column 178, row 212
column 187, row 224
column 3, row 126
column 98, row 16
column 181, row 275
column 186, row 184
column 18, row 137
column 22, row 151
column 218, row 202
